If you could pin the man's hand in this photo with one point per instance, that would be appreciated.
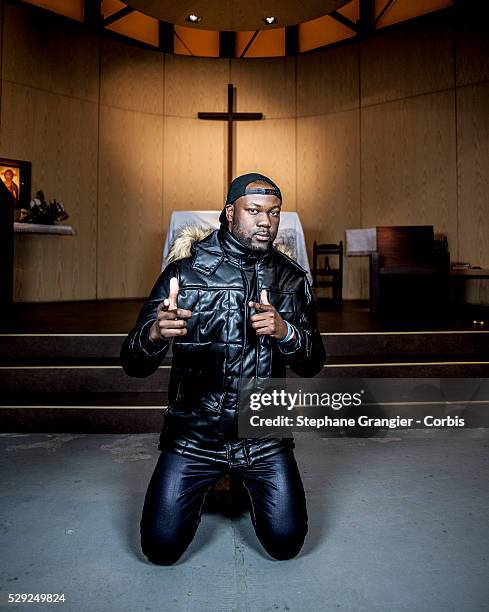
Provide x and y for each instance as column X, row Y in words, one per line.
column 267, row 321
column 171, row 320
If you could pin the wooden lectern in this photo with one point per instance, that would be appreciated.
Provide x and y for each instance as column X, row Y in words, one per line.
column 409, row 269
column 409, row 273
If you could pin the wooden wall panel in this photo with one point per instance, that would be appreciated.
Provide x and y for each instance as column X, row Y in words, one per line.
column 131, row 77
column 265, row 86
column 327, row 82
column 269, row 147
column 473, row 173
column 2, row 10
column 328, row 185
column 154, row 156
column 408, row 164
column 195, row 84
column 413, row 60
column 472, row 43
column 44, row 128
column 130, row 233
column 48, row 54
column 194, row 165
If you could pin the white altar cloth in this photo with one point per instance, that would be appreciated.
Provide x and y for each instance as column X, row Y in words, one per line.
column 290, row 232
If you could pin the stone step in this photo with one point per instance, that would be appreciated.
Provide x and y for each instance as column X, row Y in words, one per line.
column 61, row 348
column 15, row 379
column 81, row 419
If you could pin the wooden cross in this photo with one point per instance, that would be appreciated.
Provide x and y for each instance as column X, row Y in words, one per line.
column 230, row 117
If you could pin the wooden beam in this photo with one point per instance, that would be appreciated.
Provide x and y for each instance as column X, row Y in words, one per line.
column 367, row 17
column 177, row 35
column 227, row 44
column 250, row 42
column 387, row 6
column 292, row 40
column 344, row 20
column 92, row 13
column 118, row 15
column 166, row 37
column 217, row 116
column 434, row 17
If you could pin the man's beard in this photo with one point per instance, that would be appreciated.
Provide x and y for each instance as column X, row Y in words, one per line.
column 247, row 241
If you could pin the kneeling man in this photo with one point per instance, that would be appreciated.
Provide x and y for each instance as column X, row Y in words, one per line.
column 234, row 307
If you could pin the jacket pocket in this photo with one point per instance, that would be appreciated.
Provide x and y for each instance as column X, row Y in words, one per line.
column 179, row 384
column 285, row 303
column 209, row 402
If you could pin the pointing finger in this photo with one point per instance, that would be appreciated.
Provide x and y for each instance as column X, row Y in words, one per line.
column 174, row 288
column 163, row 305
column 260, row 307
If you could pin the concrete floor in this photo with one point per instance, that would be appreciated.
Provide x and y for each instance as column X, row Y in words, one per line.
column 396, row 523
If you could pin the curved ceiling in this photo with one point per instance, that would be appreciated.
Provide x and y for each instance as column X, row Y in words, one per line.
column 236, row 15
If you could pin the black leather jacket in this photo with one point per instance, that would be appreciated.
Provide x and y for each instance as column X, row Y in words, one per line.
column 216, row 283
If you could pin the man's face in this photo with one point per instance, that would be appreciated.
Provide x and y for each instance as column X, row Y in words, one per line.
column 9, row 175
column 254, row 220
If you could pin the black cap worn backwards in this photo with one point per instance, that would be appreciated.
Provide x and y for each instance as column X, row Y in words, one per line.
column 238, row 188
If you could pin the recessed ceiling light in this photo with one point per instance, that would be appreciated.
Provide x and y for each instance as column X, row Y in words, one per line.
column 270, row 20
column 193, row 18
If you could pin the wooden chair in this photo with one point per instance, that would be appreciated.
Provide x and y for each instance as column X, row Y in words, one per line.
column 323, row 274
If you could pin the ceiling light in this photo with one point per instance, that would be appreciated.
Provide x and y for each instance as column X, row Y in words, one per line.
column 270, row 20
column 193, row 18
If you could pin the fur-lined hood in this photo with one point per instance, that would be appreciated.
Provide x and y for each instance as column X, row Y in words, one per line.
column 189, row 234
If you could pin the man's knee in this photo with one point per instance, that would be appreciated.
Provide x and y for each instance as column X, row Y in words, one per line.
column 284, row 550
column 161, row 548
column 159, row 557
column 284, row 544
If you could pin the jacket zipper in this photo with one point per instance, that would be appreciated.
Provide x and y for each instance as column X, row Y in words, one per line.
column 258, row 338
column 245, row 338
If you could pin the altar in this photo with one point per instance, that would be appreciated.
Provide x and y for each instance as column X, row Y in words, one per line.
column 290, row 232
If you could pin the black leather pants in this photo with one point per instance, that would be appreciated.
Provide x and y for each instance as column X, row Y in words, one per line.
column 176, row 494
